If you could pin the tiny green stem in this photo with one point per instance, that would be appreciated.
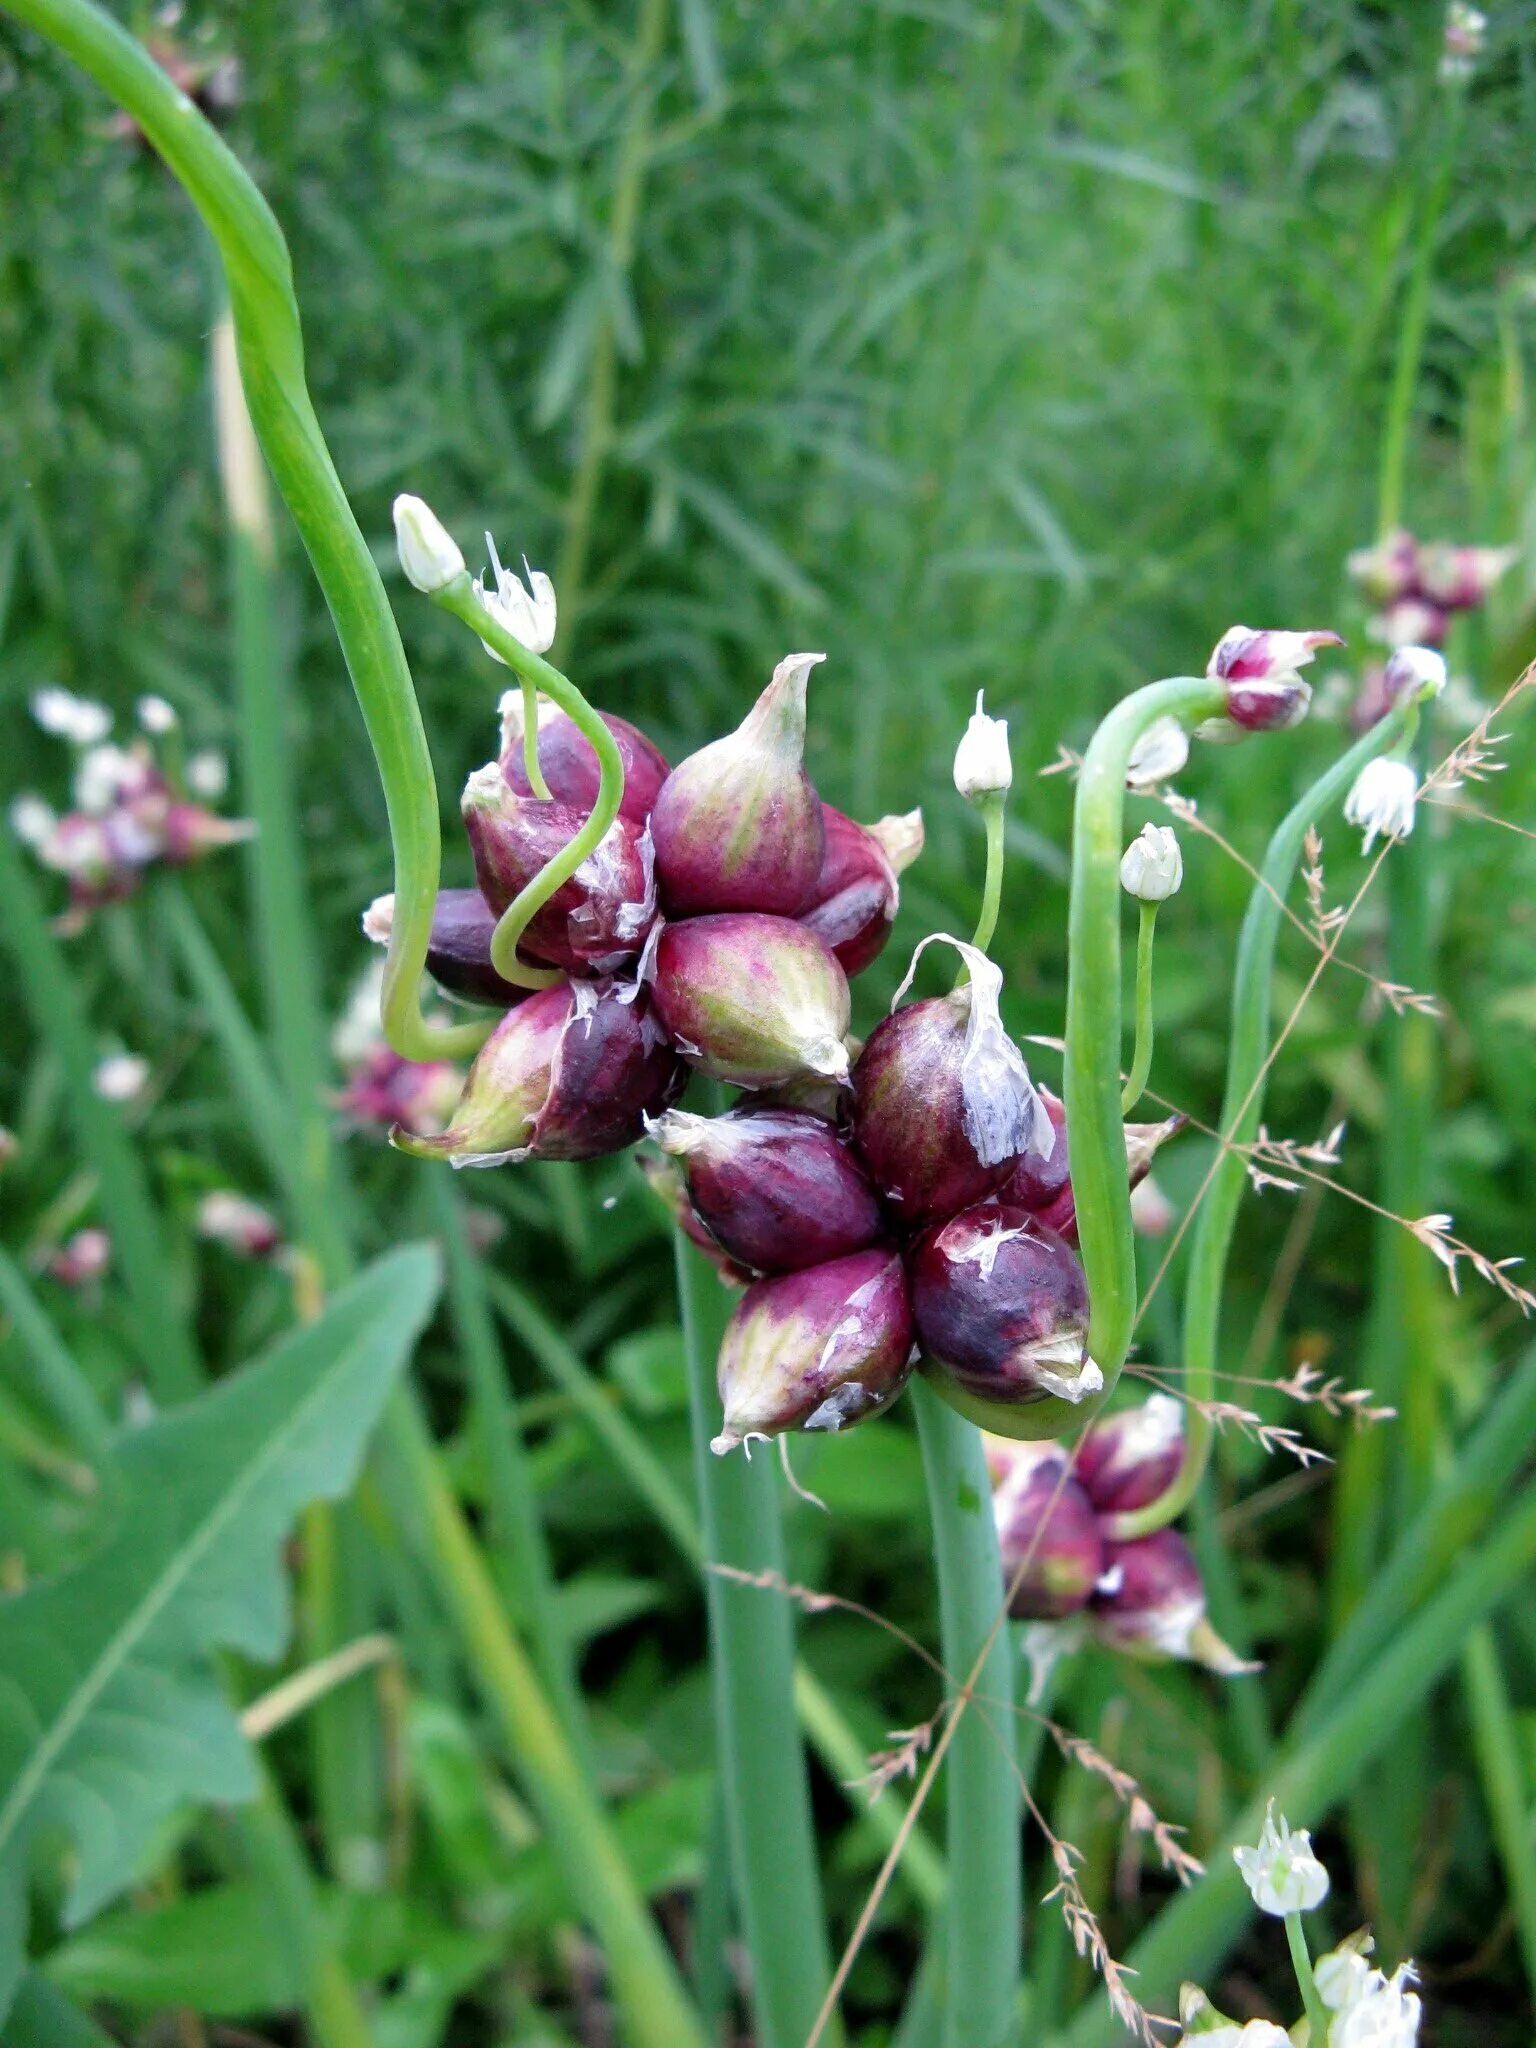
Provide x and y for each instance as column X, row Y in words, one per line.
column 531, row 764
column 1306, row 1983
column 1141, row 1060
column 982, row 1918
column 993, row 809
column 1242, row 1107
column 1094, row 1047
column 536, row 674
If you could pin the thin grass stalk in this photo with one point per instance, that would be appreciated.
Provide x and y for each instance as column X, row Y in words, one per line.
column 757, row 1743
column 57, row 1376
column 826, row 1729
column 1500, row 1752
column 1242, row 1108
column 1194, row 1931
column 981, row 1924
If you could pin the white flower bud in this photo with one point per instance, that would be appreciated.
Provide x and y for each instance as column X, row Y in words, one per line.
column 1413, row 673
column 32, row 819
column 208, row 774
column 379, row 920
column 105, row 774
column 429, row 554
column 982, row 763
column 156, row 716
column 1382, row 800
column 1382, row 2013
column 69, row 717
column 528, row 612
column 120, row 1077
column 1153, row 867
column 1281, row 1872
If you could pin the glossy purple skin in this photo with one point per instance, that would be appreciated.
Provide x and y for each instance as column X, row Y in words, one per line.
column 588, row 924
column 1037, row 1184
column 1047, row 1526
column 1119, row 1473
column 1158, row 1573
column 570, row 1074
column 909, row 1115
column 749, row 999
column 988, row 1284
column 667, row 1184
column 459, row 951
column 779, row 1190
column 816, row 1350
column 571, row 770
column 853, row 903
column 1257, row 709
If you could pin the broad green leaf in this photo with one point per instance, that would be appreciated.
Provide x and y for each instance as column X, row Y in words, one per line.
column 111, row 1712
column 43, row 2018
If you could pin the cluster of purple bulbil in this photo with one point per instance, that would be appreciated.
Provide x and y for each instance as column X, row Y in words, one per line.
column 908, row 1198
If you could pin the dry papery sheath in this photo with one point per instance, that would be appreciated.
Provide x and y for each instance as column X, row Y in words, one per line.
column 776, row 1189
column 570, row 1074
column 569, row 762
column 944, row 1109
column 595, row 922
column 815, row 1350
column 738, row 825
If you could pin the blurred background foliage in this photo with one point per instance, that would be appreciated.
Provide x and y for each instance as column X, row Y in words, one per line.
column 1016, row 349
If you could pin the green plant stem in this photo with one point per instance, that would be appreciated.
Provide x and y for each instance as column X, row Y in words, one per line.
column 757, row 1744
column 1248, row 1042
column 982, row 1920
column 1141, row 1059
column 1496, row 1739
column 597, row 425
column 1318, row 1769
column 646, row 1983
column 531, row 764
column 835, row 1743
column 515, row 1535
column 1094, row 1038
column 994, row 811
column 1306, row 1982
column 458, row 598
column 259, row 277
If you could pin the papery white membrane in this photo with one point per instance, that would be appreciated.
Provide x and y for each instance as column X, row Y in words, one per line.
column 1003, row 1115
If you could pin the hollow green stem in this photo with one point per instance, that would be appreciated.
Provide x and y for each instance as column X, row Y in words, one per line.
column 1241, row 1110
column 982, row 1918
column 757, row 1744
column 536, row 674
column 1092, row 1086
column 1141, row 1059
column 270, row 345
column 1306, row 1983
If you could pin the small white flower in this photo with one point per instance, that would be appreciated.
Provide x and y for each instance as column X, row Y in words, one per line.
column 156, row 716
column 32, row 820
column 1281, row 1872
column 237, row 1223
column 1382, row 800
column 1344, row 1976
column 1158, row 755
column 1256, row 2034
column 104, row 775
column 120, row 1077
column 1385, row 2014
column 527, row 612
column 1414, row 673
column 379, row 920
column 429, row 554
column 357, row 1033
column 208, row 774
column 69, row 717
column 1153, row 867
column 1466, row 29
column 982, row 763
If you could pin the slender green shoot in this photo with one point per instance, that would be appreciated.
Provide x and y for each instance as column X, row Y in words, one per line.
column 1141, row 1059
column 1306, row 1982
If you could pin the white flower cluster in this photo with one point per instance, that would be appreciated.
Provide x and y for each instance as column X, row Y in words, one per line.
column 1281, row 1871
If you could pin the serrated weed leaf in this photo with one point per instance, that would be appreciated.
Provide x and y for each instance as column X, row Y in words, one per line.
column 111, row 1711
